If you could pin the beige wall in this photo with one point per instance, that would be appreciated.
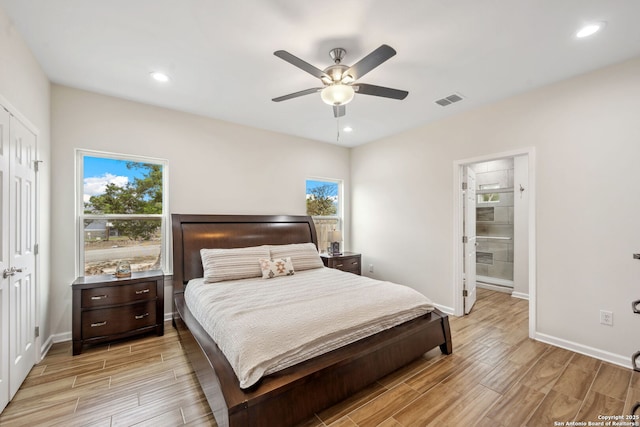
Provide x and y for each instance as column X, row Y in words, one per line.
column 25, row 87
column 214, row 167
column 586, row 133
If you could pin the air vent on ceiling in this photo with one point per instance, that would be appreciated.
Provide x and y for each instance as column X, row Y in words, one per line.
column 448, row 100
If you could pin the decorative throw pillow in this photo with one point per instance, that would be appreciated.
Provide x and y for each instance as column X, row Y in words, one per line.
column 304, row 256
column 276, row 267
column 232, row 264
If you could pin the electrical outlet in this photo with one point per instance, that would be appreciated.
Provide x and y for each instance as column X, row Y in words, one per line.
column 606, row 317
column 370, row 268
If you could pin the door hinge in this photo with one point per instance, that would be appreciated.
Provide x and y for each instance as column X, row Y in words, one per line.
column 465, row 293
column 36, row 164
column 464, row 185
column 36, row 249
column 465, row 239
column 37, row 331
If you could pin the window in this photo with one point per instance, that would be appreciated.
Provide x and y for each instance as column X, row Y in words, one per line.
column 122, row 213
column 324, row 205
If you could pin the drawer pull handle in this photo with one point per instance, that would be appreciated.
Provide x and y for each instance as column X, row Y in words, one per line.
column 635, row 306
column 141, row 316
column 99, row 297
column 143, row 291
column 93, row 325
column 339, row 265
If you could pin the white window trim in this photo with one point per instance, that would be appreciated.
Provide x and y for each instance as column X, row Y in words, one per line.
column 165, row 244
column 340, row 216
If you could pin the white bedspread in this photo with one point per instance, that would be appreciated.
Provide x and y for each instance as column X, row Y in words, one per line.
column 263, row 326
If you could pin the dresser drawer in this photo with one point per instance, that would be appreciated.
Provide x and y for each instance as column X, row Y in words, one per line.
column 116, row 320
column 113, row 295
column 349, row 262
column 106, row 308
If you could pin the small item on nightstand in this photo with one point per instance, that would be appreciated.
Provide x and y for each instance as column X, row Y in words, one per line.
column 123, row 269
column 335, row 237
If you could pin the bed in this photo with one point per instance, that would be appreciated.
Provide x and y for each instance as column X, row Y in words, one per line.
column 294, row 394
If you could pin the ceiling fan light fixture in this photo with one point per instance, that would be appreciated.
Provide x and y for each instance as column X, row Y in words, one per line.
column 347, row 78
column 337, row 94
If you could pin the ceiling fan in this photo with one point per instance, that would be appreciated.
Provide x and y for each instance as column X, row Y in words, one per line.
column 339, row 81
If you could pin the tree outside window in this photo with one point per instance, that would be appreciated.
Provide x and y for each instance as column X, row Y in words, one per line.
column 123, row 214
column 324, row 199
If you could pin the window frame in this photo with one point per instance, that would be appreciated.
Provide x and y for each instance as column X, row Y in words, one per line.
column 165, row 240
column 340, row 211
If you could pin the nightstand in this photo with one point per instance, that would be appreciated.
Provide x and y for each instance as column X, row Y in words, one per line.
column 348, row 261
column 106, row 308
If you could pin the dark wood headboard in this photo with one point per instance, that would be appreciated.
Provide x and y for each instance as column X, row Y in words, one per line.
column 194, row 232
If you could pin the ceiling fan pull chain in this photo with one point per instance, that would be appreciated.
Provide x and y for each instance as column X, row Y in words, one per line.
column 337, row 129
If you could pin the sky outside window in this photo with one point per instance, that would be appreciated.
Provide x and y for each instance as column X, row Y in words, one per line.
column 99, row 171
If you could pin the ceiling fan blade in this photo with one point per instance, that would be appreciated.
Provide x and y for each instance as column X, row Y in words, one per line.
column 339, row 111
column 305, row 66
column 385, row 92
column 370, row 61
column 297, row 94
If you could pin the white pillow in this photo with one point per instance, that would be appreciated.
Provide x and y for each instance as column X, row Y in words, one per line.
column 304, row 256
column 232, row 264
column 276, row 267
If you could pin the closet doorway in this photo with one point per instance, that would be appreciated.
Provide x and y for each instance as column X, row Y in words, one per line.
column 18, row 148
column 498, row 209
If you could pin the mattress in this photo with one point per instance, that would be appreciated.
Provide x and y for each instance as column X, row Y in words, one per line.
column 263, row 326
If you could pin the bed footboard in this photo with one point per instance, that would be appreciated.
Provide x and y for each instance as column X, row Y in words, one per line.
column 295, row 394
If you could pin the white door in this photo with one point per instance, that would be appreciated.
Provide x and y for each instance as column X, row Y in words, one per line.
column 22, row 290
column 470, row 240
column 4, row 258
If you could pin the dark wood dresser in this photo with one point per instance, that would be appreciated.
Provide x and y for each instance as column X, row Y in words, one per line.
column 348, row 261
column 107, row 308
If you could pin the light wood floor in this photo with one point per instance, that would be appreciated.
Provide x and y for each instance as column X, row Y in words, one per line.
column 496, row 377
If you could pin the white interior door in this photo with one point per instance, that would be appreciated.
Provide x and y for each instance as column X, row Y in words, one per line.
column 4, row 261
column 470, row 240
column 22, row 290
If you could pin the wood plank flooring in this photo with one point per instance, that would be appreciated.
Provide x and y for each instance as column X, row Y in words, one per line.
column 496, row 377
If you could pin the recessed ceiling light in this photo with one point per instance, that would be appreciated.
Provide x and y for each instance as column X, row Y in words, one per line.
column 589, row 29
column 347, row 129
column 160, row 77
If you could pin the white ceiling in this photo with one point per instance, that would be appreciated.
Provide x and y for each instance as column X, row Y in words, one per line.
column 219, row 53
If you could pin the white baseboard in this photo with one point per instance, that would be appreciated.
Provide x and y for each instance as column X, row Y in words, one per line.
column 520, row 295
column 445, row 309
column 62, row 337
column 493, row 287
column 494, row 281
column 616, row 359
column 44, row 349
